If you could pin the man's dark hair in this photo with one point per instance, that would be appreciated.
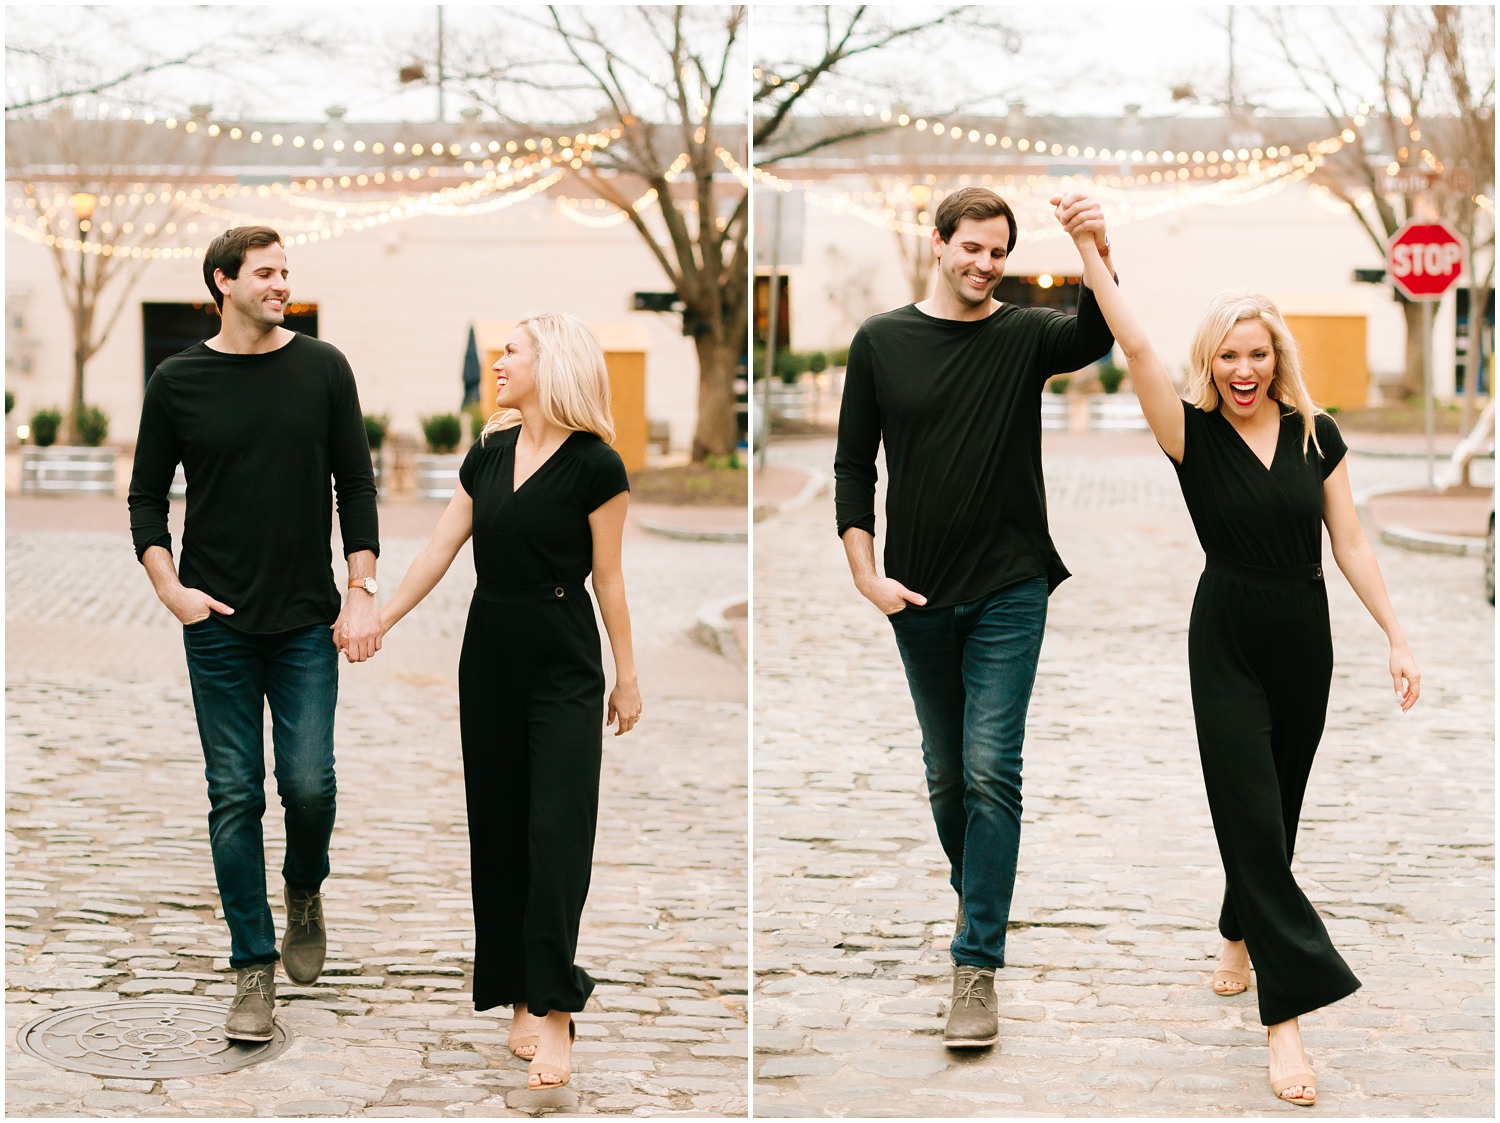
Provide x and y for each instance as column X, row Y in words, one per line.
column 227, row 253
column 973, row 202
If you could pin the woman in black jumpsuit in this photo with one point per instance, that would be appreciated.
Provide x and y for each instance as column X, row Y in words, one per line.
column 1262, row 472
column 544, row 501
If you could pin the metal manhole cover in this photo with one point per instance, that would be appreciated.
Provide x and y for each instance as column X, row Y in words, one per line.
column 153, row 1037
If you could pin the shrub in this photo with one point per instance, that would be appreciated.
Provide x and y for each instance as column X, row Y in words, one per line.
column 91, row 425
column 1059, row 385
column 443, row 431
column 376, row 427
column 839, row 358
column 1110, row 377
column 817, row 362
column 45, row 424
column 10, row 402
column 789, row 366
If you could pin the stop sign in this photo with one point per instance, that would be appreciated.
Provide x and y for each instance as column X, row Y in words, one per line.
column 1425, row 259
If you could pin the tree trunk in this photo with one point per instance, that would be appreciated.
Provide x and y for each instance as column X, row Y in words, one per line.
column 1412, row 385
column 716, row 434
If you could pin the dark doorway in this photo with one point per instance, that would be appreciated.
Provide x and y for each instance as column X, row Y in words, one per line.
column 170, row 328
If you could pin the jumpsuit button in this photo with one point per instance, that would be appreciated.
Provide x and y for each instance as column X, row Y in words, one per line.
column 558, row 592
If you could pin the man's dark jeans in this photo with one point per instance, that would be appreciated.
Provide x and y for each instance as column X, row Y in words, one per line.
column 233, row 676
column 971, row 668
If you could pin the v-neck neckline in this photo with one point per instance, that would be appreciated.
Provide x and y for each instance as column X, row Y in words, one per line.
column 515, row 488
column 1267, row 466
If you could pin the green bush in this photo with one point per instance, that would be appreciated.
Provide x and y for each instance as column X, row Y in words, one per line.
column 376, row 427
column 1059, row 385
column 10, row 402
column 817, row 362
column 839, row 358
column 790, row 365
column 443, row 431
column 1110, row 377
column 91, row 426
column 45, row 424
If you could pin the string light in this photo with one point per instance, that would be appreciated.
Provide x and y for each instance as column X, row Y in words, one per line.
column 1183, row 165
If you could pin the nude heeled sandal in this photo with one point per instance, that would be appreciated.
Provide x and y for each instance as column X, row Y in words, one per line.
column 538, row 1068
column 1235, row 982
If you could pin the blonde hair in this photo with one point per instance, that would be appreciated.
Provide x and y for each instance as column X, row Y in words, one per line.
column 572, row 384
column 1287, row 386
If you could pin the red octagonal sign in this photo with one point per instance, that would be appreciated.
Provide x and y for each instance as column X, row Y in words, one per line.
column 1425, row 259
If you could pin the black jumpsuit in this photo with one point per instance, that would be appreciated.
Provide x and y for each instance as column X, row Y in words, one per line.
column 531, row 716
column 1260, row 657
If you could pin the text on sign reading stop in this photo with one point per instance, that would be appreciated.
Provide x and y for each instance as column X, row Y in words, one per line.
column 1427, row 259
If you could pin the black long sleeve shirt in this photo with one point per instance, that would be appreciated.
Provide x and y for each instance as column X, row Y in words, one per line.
column 958, row 405
column 258, row 437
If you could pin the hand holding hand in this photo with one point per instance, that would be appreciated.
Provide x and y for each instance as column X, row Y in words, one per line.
column 1082, row 218
column 357, row 631
column 889, row 595
column 624, row 707
column 1405, row 676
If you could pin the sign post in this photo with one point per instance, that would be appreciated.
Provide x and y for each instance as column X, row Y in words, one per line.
column 1424, row 260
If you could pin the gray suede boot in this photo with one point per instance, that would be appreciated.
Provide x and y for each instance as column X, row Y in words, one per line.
column 251, row 1014
column 972, row 1023
column 305, row 942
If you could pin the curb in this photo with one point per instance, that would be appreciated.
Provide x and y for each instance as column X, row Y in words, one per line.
column 814, row 486
column 714, row 632
column 692, row 534
column 1419, row 541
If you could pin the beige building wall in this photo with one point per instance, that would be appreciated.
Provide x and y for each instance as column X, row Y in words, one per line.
column 397, row 300
column 1299, row 251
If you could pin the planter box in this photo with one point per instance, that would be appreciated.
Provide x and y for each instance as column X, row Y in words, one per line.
column 66, row 469
column 437, row 475
column 1115, row 411
column 1054, row 410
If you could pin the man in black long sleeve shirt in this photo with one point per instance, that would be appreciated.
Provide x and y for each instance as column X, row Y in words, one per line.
column 952, row 386
column 260, row 418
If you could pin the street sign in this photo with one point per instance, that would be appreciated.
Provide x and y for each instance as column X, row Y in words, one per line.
column 1424, row 259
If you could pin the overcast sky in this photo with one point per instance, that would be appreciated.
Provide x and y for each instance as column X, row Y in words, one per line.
column 1072, row 58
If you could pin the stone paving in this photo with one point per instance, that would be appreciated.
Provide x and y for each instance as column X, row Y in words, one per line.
column 1105, row 1005
column 109, row 884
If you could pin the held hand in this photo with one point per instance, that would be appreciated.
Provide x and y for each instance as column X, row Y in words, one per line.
column 624, row 707
column 192, row 605
column 889, row 595
column 357, row 632
column 1081, row 217
column 1405, row 676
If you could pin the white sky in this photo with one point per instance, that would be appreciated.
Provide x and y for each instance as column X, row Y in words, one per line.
column 1074, row 58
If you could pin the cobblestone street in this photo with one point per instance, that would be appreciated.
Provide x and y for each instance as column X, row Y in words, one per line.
column 1105, row 1003
column 109, row 883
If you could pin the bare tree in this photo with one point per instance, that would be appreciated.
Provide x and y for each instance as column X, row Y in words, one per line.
column 834, row 41
column 1431, row 73
column 102, row 218
column 673, row 79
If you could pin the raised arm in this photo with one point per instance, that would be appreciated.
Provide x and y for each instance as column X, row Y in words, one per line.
column 1153, row 385
column 1356, row 559
column 427, row 569
column 607, row 525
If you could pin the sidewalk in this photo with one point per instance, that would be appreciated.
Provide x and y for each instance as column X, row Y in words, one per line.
column 109, row 882
column 1105, row 1005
